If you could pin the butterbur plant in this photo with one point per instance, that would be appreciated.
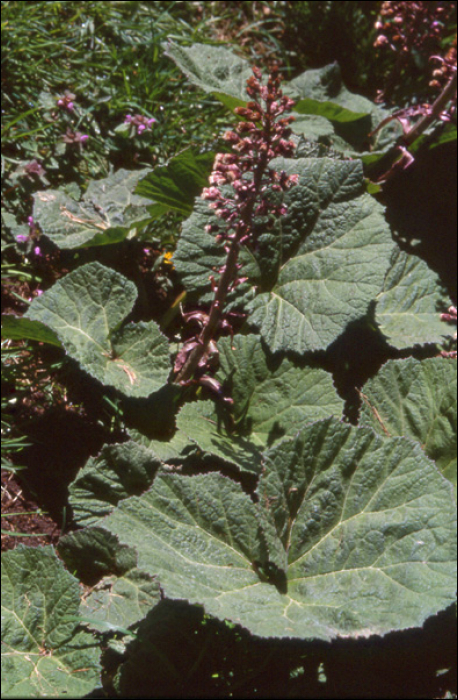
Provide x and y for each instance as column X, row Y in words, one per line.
column 262, row 136
column 243, row 492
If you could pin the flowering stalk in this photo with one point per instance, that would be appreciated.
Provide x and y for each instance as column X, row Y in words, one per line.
column 255, row 142
column 412, row 29
column 451, row 316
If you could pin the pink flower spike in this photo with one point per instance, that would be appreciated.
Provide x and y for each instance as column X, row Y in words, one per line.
column 151, row 121
column 21, row 238
column 140, row 128
column 128, row 119
column 37, row 250
column 83, row 138
column 30, row 220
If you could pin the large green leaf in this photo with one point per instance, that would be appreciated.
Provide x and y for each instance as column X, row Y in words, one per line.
column 319, row 86
column 336, row 250
column 92, row 553
column 367, row 526
column 107, row 213
column 117, row 472
column 418, row 400
column 273, row 397
column 329, row 110
column 122, row 594
column 321, row 92
column 315, row 128
column 214, row 69
column 201, row 425
column 410, row 304
column 19, row 328
column 173, row 451
column 117, row 602
column 85, row 309
column 174, row 186
column 43, row 654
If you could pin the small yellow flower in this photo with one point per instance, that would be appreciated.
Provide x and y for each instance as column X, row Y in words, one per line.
column 168, row 258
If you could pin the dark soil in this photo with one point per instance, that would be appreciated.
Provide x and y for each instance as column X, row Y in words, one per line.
column 22, row 520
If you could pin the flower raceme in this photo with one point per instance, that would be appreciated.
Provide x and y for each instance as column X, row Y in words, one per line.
column 240, row 190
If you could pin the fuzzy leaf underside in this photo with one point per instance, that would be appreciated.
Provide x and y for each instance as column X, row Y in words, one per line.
column 43, row 654
column 418, row 400
column 106, row 214
column 85, row 310
column 367, row 525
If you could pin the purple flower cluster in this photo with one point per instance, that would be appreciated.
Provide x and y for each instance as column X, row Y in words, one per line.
column 67, row 101
column 139, row 122
column 34, row 168
column 413, row 30
column 33, row 234
column 451, row 316
column 75, row 137
column 255, row 142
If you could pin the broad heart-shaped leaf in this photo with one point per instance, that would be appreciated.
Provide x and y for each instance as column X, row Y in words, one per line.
column 214, row 69
column 417, row 400
column 272, row 397
column 117, row 472
column 42, row 653
column 85, row 309
column 367, row 526
column 409, row 306
column 107, row 213
column 174, row 186
column 336, row 250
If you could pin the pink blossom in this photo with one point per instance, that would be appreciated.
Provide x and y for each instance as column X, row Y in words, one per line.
column 139, row 122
